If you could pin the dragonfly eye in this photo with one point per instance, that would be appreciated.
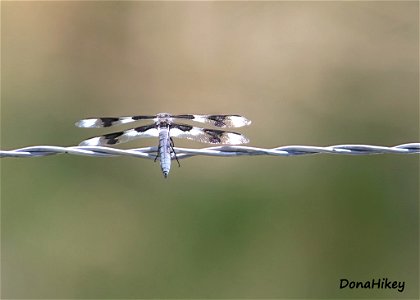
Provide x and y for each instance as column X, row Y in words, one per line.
column 163, row 115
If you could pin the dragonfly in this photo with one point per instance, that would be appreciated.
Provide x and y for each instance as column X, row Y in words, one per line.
column 164, row 128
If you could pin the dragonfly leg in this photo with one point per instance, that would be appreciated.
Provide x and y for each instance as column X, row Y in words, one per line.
column 157, row 154
column 172, row 148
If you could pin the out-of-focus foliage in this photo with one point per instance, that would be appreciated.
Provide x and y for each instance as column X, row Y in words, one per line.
column 316, row 73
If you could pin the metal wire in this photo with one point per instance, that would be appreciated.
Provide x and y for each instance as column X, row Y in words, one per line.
column 150, row 152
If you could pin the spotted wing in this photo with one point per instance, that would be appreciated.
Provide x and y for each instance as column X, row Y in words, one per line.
column 211, row 136
column 123, row 136
column 111, row 121
column 217, row 120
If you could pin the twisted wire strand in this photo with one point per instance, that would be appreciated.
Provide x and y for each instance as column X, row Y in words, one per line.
column 150, row 152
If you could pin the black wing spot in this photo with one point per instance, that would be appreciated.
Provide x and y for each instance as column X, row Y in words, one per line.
column 112, row 138
column 214, row 135
column 219, row 120
column 144, row 128
column 189, row 117
column 107, row 122
column 143, row 117
column 182, row 127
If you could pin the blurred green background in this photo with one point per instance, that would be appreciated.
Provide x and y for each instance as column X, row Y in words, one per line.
column 305, row 73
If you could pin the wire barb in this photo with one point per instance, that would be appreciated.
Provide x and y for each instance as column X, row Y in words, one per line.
column 150, row 152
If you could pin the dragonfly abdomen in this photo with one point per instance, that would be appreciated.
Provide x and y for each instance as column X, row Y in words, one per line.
column 165, row 151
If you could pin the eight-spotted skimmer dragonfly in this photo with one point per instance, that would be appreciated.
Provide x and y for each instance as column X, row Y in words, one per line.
column 164, row 128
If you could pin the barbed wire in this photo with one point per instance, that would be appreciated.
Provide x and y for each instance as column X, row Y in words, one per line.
column 150, row 152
